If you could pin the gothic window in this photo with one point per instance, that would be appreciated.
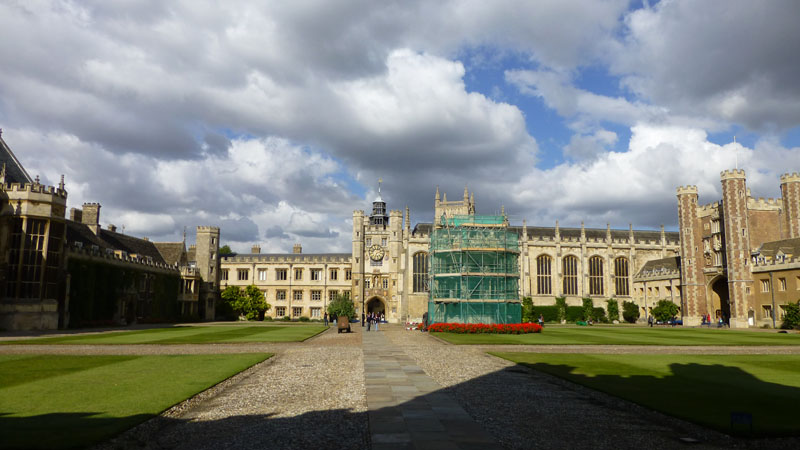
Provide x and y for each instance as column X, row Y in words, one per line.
column 280, row 274
column 223, row 274
column 621, row 277
column 298, row 274
column 595, row 275
column 334, row 275
column 242, row 274
column 543, row 270
column 316, row 274
column 570, row 275
column 421, row 272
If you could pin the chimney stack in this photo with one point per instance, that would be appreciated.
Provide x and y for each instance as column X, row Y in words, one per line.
column 91, row 216
column 112, row 228
column 255, row 249
column 297, row 249
column 76, row 215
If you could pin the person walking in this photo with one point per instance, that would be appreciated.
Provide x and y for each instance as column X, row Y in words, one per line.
column 650, row 321
column 541, row 320
column 326, row 319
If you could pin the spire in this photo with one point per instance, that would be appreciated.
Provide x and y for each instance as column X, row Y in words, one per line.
column 437, row 193
column 380, row 180
column 408, row 219
column 466, row 194
column 444, row 197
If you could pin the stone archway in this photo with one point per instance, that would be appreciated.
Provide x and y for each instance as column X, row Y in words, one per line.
column 376, row 305
column 720, row 299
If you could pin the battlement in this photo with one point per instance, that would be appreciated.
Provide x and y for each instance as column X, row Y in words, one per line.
column 732, row 174
column 396, row 212
column 776, row 264
column 207, row 229
column 793, row 177
column 689, row 189
column 117, row 257
column 34, row 188
column 764, row 203
column 708, row 209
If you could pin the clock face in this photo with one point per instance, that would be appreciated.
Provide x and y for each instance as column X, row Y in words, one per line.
column 375, row 252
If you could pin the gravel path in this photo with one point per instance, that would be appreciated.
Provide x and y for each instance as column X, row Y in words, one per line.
column 313, row 395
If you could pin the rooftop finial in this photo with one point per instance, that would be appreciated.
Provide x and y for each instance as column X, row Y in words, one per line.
column 36, row 180
column 380, row 180
column 437, row 193
column 466, row 193
column 61, row 184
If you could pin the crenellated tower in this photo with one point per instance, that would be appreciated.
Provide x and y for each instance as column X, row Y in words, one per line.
column 692, row 284
column 790, row 196
column 207, row 260
column 736, row 240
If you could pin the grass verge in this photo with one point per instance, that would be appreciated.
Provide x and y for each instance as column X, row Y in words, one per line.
column 60, row 402
column 627, row 336
column 188, row 335
column 718, row 391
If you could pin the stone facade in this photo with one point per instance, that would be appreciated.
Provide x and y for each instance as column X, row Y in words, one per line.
column 720, row 243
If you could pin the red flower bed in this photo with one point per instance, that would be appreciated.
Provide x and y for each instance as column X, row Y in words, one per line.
column 478, row 328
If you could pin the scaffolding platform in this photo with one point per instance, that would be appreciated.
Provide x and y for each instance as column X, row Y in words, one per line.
column 474, row 271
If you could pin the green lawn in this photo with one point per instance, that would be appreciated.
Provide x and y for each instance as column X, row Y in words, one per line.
column 50, row 401
column 189, row 335
column 704, row 389
column 627, row 336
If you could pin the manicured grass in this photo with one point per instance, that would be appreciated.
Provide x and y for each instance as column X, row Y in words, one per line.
column 50, row 401
column 189, row 335
column 704, row 389
column 627, row 336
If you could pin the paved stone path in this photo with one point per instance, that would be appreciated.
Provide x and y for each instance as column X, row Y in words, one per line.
column 405, row 409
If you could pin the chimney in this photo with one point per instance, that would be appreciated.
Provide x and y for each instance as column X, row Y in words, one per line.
column 255, row 249
column 297, row 249
column 76, row 215
column 91, row 216
column 112, row 228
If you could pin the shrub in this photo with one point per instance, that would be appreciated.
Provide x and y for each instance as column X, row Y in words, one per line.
column 286, row 319
column 630, row 312
column 304, row 319
column 528, row 314
column 249, row 302
column 599, row 315
column 561, row 305
column 574, row 313
column 549, row 313
column 482, row 328
column 665, row 310
column 613, row 309
column 791, row 319
column 588, row 306
column 342, row 306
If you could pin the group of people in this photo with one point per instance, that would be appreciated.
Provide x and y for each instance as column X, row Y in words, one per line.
column 373, row 319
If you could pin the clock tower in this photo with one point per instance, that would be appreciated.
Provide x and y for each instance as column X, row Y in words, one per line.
column 377, row 259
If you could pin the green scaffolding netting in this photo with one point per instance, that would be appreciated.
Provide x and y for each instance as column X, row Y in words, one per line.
column 474, row 312
column 474, row 271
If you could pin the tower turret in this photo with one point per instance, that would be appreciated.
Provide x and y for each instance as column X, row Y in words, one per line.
column 790, row 196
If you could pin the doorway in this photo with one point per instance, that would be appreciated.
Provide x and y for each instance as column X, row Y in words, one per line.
column 720, row 300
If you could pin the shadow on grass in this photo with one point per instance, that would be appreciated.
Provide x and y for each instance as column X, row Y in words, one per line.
column 722, row 397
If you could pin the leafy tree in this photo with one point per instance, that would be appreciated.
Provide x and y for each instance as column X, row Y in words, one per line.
column 527, row 310
column 613, row 309
column 791, row 319
column 341, row 306
column 225, row 250
column 630, row 312
column 249, row 302
column 665, row 310
column 588, row 306
column 561, row 305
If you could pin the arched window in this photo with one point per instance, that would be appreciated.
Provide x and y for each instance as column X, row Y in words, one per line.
column 570, row 275
column 543, row 284
column 421, row 272
column 621, row 276
column 595, row 275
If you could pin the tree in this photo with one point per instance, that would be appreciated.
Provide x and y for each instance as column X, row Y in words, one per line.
column 613, row 309
column 630, row 312
column 249, row 302
column 527, row 310
column 341, row 306
column 588, row 306
column 665, row 310
column 561, row 305
column 225, row 250
column 791, row 318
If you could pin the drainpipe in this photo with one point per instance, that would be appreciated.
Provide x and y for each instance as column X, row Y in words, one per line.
column 772, row 291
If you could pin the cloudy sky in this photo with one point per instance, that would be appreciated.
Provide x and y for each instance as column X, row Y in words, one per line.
column 274, row 120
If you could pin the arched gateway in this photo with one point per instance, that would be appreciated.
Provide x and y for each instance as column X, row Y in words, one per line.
column 376, row 305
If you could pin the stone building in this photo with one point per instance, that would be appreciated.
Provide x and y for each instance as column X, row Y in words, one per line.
column 58, row 272
column 388, row 268
column 730, row 248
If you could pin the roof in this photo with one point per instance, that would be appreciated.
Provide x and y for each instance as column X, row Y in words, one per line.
column 287, row 255
column 80, row 232
column 575, row 233
column 789, row 247
column 172, row 252
column 663, row 265
column 15, row 173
